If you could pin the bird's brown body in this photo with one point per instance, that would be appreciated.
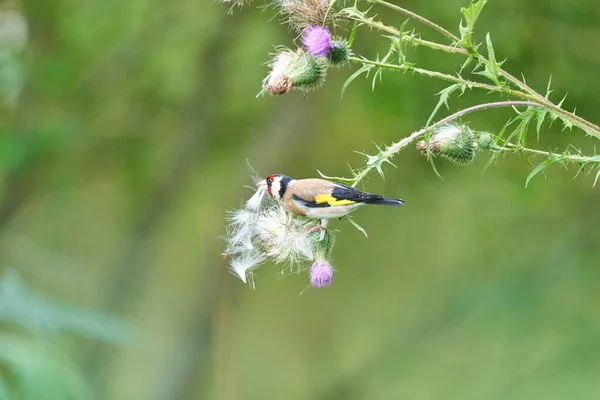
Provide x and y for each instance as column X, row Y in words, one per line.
column 320, row 198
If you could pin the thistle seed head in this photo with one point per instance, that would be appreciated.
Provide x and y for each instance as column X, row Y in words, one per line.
column 304, row 13
column 284, row 237
column 295, row 69
column 453, row 142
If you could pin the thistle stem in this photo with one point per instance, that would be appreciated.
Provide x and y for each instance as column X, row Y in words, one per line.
column 412, row 39
column 416, row 17
column 435, row 74
column 394, row 148
column 537, row 98
column 510, row 147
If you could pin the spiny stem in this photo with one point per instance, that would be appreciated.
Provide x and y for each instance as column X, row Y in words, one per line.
column 434, row 74
column 510, row 147
column 394, row 148
column 575, row 119
column 412, row 39
column 416, row 17
column 537, row 98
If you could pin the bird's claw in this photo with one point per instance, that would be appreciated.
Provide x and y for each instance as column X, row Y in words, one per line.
column 313, row 229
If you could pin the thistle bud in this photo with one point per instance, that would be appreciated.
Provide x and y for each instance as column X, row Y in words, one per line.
column 453, row 142
column 295, row 69
column 485, row 141
column 321, row 274
column 339, row 52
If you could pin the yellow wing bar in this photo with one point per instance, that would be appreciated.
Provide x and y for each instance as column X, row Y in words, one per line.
column 332, row 201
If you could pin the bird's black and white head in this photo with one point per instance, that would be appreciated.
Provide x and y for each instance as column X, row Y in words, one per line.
column 277, row 184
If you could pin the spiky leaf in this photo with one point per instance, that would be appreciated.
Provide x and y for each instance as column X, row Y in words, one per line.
column 540, row 168
column 492, row 68
column 362, row 70
column 471, row 14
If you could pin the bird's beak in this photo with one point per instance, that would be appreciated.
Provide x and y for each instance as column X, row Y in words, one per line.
column 262, row 185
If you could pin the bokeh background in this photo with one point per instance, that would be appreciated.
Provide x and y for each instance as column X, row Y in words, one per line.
column 126, row 128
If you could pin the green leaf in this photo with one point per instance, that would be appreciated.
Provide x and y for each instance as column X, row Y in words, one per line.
column 399, row 44
column 541, row 116
column 548, row 90
column 519, row 134
column 562, row 101
column 542, row 167
column 496, row 154
column 352, row 34
column 471, row 14
column 597, row 176
column 357, row 226
column 443, row 100
column 566, row 123
column 491, row 69
column 335, row 178
column 362, row 70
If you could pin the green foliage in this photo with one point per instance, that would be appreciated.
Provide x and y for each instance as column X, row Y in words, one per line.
column 540, row 108
column 37, row 370
column 22, row 307
column 471, row 14
column 35, row 367
column 491, row 69
column 543, row 166
column 378, row 160
column 362, row 70
column 444, row 96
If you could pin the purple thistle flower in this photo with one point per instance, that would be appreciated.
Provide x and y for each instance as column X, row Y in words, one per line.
column 321, row 273
column 317, row 40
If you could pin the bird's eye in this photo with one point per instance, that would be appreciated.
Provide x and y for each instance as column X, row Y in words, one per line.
column 269, row 181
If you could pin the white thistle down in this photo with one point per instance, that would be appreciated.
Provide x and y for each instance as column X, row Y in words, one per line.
column 447, row 132
column 284, row 237
column 243, row 264
column 256, row 200
column 262, row 229
column 240, row 232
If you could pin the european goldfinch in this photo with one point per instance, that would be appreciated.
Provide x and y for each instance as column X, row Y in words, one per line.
column 320, row 198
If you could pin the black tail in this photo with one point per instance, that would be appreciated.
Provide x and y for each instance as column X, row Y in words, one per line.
column 386, row 202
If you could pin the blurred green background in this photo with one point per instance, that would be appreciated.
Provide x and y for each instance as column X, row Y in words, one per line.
column 128, row 141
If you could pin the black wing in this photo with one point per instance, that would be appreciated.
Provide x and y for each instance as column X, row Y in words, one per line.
column 345, row 192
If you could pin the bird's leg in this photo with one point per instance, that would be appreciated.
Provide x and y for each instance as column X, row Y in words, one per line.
column 319, row 227
column 323, row 226
column 313, row 229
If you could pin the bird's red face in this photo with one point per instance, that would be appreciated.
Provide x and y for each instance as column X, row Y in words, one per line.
column 270, row 179
column 277, row 185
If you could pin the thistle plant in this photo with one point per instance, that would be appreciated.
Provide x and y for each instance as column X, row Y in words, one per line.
column 321, row 46
column 324, row 32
